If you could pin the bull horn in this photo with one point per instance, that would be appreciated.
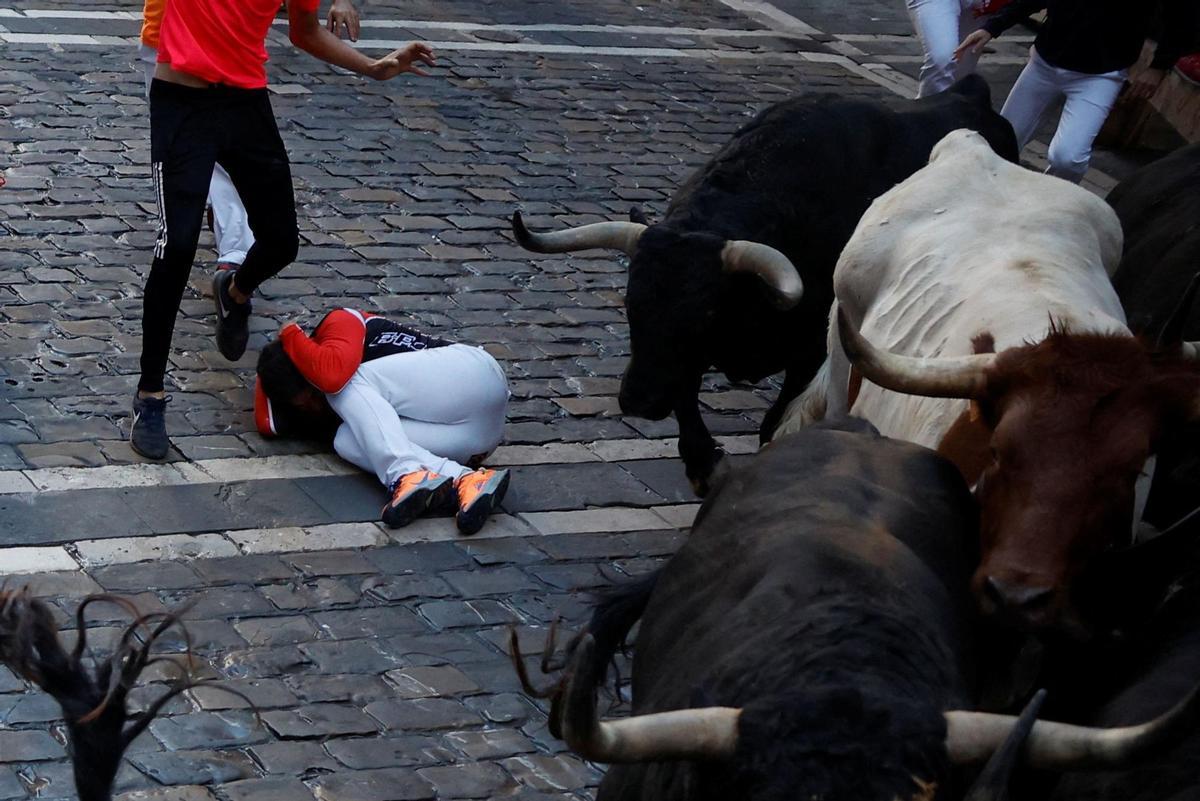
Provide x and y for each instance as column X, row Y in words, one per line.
column 708, row 733
column 618, row 235
column 775, row 269
column 939, row 377
column 973, row 736
column 992, row 783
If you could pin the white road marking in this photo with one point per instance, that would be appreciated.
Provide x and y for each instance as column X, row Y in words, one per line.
column 218, row 471
column 89, row 554
column 530, row 48
column 368, row 22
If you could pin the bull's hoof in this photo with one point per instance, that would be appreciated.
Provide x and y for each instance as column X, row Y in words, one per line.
column 701, row 484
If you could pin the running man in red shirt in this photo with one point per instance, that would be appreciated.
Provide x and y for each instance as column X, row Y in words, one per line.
column 414, row 409
column 208, row 106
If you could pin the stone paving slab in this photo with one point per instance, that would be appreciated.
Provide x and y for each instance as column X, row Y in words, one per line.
column 359, row 661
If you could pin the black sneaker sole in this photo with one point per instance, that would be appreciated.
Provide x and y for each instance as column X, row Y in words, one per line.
column 231, row 350
column 413, row 507
column 158, row 457
column 418, row 503
column 471, row 519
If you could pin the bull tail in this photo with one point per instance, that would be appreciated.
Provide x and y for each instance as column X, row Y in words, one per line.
column 809, row 407
column 615, row 614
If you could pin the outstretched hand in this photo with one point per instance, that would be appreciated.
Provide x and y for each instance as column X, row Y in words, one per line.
column 403, row 60
column 343, row 14
column 973, row 43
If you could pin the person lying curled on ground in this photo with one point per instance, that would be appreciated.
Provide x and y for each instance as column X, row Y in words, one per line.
column 420, row 412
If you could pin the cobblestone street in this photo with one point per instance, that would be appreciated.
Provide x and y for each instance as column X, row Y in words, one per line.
column 377, row 658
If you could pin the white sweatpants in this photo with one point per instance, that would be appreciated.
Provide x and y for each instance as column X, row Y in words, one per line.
column 231, row 228
column 432, row 409
column 941, row 25
column 1089, row 98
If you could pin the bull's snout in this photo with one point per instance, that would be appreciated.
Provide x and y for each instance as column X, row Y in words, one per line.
column 1026, row 601
column 1016, row 597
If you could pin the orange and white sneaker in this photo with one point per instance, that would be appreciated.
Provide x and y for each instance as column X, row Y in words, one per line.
column 414, row 494
column 479, row 492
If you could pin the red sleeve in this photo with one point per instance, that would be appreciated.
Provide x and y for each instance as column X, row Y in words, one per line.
column 329, row 358
column 264, row 416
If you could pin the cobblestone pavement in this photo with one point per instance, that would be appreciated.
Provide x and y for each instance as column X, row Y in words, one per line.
column 376, row 658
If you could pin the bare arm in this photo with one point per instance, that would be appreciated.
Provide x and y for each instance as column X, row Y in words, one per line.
column 307, row 33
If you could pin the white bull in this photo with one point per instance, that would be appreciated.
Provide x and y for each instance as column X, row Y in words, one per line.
column 971, row 244
column 974, row 254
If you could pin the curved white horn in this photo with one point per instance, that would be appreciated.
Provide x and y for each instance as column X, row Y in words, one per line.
column 707, row 733
column 973, row 736
column 942, row 377
column 775, row 269
column 618, row 235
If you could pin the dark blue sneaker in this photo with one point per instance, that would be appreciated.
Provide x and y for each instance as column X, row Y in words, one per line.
column 148, row 434
column 233, row 319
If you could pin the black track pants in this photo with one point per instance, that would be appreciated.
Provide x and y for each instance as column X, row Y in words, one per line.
column 190, row 131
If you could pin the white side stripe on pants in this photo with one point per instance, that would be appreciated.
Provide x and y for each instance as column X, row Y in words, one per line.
column 160, row 244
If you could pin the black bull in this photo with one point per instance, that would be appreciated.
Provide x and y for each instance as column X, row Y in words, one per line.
column 811, row 639
column 796, row 179
column 1158, row 664
column 1159, row 209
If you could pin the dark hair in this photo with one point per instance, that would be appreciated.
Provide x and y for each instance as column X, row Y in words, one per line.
column 284, row 384
column 281, row 379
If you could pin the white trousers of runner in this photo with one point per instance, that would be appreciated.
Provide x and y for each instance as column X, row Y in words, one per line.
column 231, row 227
column 941, row 25
column 1088, row 99
column 432, row 409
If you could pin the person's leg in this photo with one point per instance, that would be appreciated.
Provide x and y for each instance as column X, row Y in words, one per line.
column 375, row 438
column 1036, row 88
column 253, row 155
column 257, row 164
column 1089, row 99
column 182, row 156
column 475, row 401
column 937, row 24
column 231, row 229
column 452, row 401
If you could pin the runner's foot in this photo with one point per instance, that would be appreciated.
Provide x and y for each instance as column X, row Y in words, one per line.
column 414, row 494
column 479, row 492
column 233, row 318
column 148, row 433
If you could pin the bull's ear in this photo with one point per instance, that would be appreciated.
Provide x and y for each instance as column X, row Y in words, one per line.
column 974, row 87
